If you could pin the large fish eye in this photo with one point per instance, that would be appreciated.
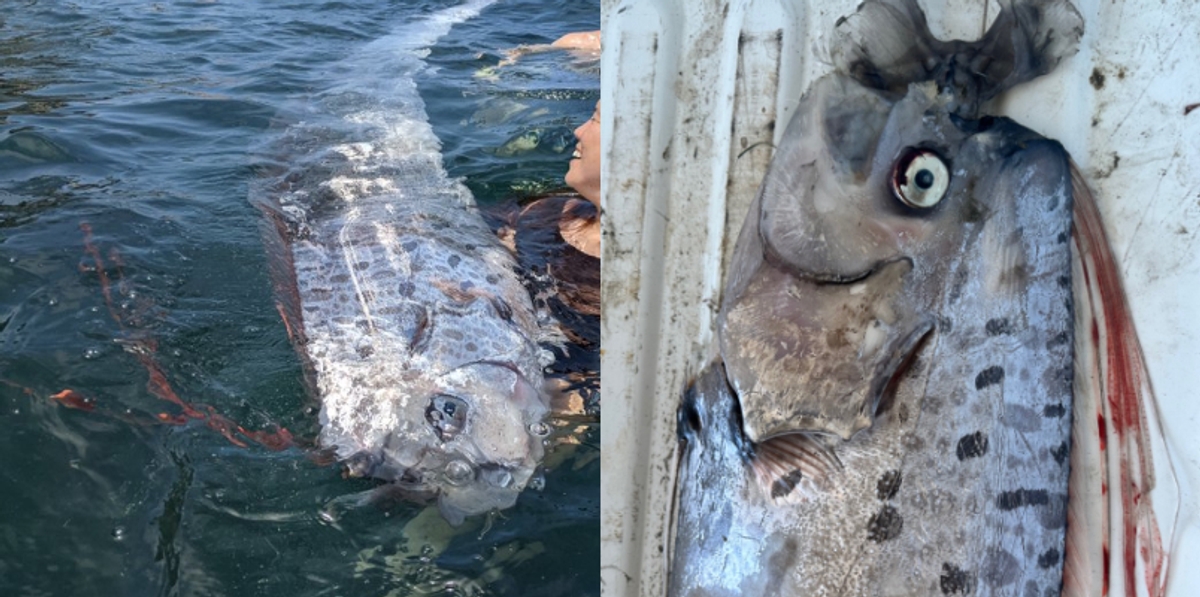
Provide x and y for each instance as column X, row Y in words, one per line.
column 447, row 415
column 920, row 178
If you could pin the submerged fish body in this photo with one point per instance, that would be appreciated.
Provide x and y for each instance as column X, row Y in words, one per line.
column 891, row 412
column 419, row 340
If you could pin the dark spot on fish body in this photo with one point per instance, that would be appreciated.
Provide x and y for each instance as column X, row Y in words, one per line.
column 974, row 211
column 1054, row 411
column 1011, row 500
column 454, row 260
column 1060, row 453
column 1052, row 204
column 972, row 445
column 406, row 288
column 888, row 485
column 1031, row 589
column 960, row 280
column 885, row 524
column 1063, row 237
column 1048, row 559
column 1058, row 381
column 492, row 279
column 902, row 413
column 1097, row 79
column 998, row 326
column 1054, row 515
column 1058, row 340
column 365, row 352
column 783, row 560
column 362, row 265
column 1000, row 568
column 472, row 347
column 1020, row 417
column 409, row 245
column 990, row 376
column 785, row 484
column 956, row 581
column 945, row 325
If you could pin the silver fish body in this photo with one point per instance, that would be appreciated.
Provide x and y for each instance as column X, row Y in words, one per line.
column 891, row 410
column 419, row 340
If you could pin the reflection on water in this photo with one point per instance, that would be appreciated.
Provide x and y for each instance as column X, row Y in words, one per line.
column 140, row 120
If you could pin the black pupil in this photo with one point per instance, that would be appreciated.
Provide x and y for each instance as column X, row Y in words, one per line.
column 924, row 178
column 449, row 408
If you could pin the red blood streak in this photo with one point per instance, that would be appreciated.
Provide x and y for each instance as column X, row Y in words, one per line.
column 1124, row 375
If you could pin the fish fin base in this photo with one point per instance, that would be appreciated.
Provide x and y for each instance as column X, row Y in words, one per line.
column 787, row 467
column 1114, row 544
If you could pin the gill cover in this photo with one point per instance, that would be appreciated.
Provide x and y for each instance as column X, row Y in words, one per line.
column 829, row 290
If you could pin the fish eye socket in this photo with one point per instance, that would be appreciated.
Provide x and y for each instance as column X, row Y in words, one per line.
column 920, row 178
column 447, row 415
column 459, row 472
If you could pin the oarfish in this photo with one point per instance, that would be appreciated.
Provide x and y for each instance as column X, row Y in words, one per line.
column 419, row 340
column 927, row 382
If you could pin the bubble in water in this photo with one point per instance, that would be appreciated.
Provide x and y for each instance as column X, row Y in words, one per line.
column 92, row 354
column 458, row 472
column 538, row 482
column 118, row 533
column 53, row 302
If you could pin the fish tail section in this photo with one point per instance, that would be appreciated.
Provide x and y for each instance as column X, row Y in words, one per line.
column 1113, row 531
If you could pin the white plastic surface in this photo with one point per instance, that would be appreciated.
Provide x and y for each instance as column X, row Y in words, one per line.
column 694, row 92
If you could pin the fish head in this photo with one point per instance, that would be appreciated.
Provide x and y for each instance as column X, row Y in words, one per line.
column 484, row 435
column 470, row 438
column 871, row 204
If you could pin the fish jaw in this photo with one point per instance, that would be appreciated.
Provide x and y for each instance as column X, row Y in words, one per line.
column 470, row 438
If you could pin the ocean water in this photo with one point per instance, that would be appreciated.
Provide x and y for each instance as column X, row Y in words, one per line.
column 132, row 273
